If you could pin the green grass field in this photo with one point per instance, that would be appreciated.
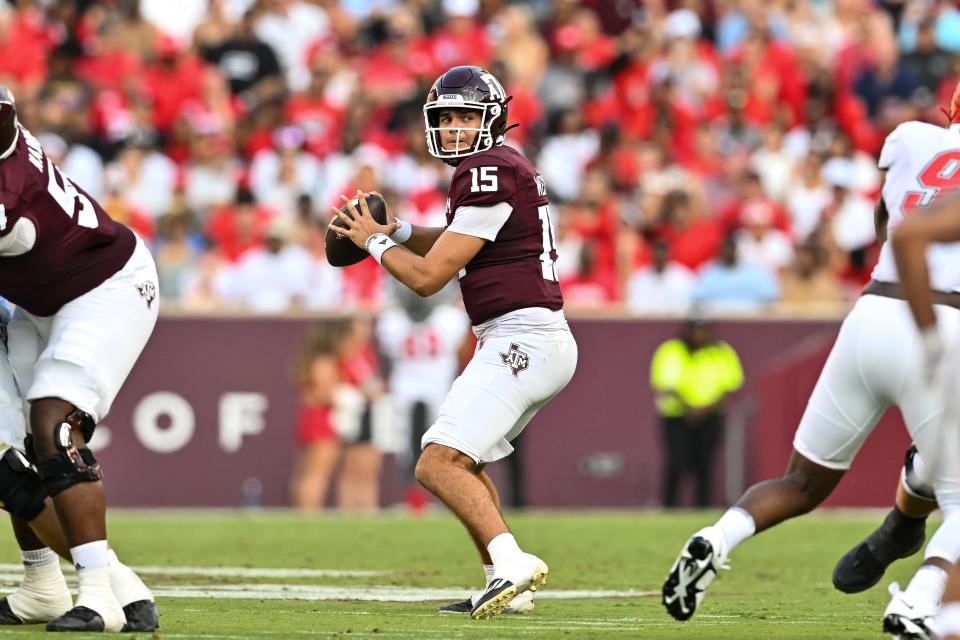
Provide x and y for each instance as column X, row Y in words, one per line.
column 382, row 577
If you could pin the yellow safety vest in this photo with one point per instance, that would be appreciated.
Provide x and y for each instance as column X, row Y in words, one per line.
column 700, row 378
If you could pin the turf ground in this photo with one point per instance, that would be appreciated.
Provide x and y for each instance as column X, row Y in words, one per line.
column 226, row 575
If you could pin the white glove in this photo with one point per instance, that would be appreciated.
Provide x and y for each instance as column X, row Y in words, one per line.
column 932, row 354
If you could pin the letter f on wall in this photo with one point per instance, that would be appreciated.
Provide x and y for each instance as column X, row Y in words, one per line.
column 241, row 414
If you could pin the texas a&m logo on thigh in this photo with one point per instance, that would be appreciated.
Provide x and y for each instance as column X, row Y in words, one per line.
column 515, row 359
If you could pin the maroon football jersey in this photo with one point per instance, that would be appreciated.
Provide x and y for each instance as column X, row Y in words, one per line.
column 77, row 245
column 517, row 269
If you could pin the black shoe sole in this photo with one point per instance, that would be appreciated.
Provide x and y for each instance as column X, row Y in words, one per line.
column 682, row 606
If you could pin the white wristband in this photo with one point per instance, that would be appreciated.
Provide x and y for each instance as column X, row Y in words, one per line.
column 377, row 245
column 403, row 232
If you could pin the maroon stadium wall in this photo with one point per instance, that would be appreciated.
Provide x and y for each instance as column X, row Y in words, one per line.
column 206, row 418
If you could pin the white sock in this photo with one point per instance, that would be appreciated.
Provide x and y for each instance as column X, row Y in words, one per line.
column 945, row 541
column 43, row 594
column 736, row 525
column 503, row 548
column 41, row 572
column 488, row 571
column 949, row 619
column 38, row 558
column 126, row 584
column 92, row 555
column 927, row 584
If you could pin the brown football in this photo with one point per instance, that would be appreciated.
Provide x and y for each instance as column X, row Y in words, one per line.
column 341, row 251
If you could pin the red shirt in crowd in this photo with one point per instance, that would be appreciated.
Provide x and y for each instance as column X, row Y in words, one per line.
column 237, row 229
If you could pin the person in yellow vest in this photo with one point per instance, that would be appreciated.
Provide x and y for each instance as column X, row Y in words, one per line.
column 691, row 376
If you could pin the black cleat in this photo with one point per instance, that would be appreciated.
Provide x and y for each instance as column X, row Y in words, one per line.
column 77, row 619
column 465, row 606
column 7, row 616
column 863, row 566
column 141, row 616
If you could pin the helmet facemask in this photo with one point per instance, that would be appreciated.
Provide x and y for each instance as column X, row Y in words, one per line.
column 485, row 137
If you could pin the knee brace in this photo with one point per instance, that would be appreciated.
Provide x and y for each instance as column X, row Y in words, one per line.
column 912, row 482
column 21, row 491
column 71, row 465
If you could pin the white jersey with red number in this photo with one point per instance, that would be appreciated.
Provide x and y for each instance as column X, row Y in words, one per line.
column 922, row 162
column 423, row 354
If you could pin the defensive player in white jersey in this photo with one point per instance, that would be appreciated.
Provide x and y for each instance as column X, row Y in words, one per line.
column 910, row 242
column 85, row 289
column 422, row 341
column 500, row 242
column 876, row 362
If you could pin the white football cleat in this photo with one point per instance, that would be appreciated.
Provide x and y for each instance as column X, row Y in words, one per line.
column 527, row 573
column 909, row 618
column 522, row 603
column 693, row 571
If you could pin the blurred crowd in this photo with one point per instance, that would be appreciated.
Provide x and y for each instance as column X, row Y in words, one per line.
column 714, row 151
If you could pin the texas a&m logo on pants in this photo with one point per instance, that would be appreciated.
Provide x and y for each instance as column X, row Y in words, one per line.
column 515, row 359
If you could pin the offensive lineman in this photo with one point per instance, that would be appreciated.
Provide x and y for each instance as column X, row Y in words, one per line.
column 43, row 593
column 500, row 242
column 86, row 293
column 877, row 361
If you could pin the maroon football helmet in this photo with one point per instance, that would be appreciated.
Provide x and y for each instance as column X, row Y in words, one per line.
column 467, row 88
column 8, row 122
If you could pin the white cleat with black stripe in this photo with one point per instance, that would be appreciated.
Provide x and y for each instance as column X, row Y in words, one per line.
column 694, row 570
column 521, row 604
column 907, row 618
column 527, row 574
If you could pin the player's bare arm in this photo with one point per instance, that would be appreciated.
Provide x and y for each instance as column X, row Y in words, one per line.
column 420, row 240
column 910, row 240
column 426, row 274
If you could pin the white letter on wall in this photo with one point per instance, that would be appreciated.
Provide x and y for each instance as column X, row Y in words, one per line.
column 164, row 439
column 241, row 414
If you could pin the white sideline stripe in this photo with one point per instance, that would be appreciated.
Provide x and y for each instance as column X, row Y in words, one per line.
column 256, row 572
column 372, row 593
column 239, row 572
column 12, row 574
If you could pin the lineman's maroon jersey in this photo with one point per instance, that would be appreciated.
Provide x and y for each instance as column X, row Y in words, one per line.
column 516, row 269
column 63, row 244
